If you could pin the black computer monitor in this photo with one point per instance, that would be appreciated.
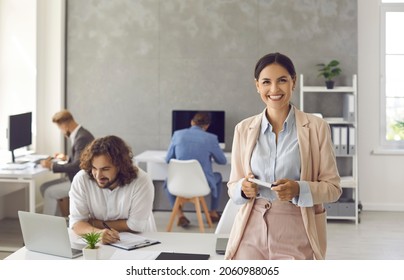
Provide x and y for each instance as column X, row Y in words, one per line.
column 182, row 119
column 19, row 132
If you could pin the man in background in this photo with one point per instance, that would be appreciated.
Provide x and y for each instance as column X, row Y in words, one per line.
column 196, row 143
column 56, row 192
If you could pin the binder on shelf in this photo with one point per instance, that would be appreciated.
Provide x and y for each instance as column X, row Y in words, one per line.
column 344, row 141
column 351, row 141
column 349, row 107
column 336, row 139
column 343, row 125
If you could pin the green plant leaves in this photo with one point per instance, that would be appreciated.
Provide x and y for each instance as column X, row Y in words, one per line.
column 91, row 238
column 330, row 70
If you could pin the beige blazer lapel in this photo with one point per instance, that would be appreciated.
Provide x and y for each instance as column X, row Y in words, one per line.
column 303, row 135
column 252, row 138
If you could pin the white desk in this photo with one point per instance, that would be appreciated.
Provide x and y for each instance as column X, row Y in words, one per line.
column 199, row 243
column 26, row 175
column 156, row 165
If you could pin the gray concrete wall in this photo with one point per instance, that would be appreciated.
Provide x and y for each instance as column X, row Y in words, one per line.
column 130, row 63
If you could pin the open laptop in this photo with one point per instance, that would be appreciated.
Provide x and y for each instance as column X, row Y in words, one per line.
column 46, row 234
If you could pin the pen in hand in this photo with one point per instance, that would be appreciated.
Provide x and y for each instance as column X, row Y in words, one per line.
column 108, row 227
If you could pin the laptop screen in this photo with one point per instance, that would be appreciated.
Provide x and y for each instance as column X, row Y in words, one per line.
column 46, row 234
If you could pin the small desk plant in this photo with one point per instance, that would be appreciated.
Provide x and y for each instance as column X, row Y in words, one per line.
column 90, row 252
column 329, row 72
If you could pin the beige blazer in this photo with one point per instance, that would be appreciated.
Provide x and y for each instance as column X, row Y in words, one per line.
column 318, row 168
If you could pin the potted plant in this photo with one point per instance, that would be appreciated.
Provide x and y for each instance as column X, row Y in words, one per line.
column 329, row 72
column 90, row 252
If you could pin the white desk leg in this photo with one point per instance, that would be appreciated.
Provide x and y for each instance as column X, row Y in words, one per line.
column 32, row 195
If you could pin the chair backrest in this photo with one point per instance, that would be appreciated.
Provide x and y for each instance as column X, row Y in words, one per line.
column 186, row 178
column 227, row 219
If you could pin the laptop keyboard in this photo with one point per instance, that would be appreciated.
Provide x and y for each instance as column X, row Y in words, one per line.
column 76, row 252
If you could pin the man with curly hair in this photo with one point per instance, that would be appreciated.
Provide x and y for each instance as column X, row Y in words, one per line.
column 110, row 194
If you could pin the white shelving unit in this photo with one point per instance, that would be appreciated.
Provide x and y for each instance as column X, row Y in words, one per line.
column 340, row 111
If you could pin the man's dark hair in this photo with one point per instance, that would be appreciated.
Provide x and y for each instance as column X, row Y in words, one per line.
column 201, row 118
column 117, row 150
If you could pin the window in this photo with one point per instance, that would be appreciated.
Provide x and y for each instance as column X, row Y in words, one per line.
column 18, row 53
column 392, row 61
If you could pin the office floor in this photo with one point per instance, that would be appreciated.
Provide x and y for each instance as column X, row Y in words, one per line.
column 379, row 236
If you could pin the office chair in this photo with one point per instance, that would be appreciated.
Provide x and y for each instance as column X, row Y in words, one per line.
column 63, row 204
column 186, row 180
column 228, row 215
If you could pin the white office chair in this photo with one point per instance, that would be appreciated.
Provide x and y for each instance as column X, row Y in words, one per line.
column 186, row 180
column 227, row 219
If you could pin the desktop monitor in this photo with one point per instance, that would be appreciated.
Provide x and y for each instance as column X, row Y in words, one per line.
column 19, row 132
column 182, row 119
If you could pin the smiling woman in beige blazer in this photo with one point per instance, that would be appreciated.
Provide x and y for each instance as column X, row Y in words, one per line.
column 293, row 151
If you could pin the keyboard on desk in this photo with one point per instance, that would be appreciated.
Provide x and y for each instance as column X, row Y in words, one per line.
column 36, row 159
column 23, row 162
column 16, row 166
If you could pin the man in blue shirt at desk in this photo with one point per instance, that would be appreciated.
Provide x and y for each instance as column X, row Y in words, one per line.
column 196, row 143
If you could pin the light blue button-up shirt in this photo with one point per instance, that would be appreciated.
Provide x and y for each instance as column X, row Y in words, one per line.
column 273, row 160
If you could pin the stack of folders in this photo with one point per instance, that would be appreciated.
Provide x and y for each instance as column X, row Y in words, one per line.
column 343, row 138
column 349, row 108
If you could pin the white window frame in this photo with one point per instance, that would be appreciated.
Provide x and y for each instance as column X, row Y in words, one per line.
column 384, row 9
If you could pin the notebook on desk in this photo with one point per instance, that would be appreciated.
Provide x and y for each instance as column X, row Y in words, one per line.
column 46, row 234
column 130, row 241
column 181, row 256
